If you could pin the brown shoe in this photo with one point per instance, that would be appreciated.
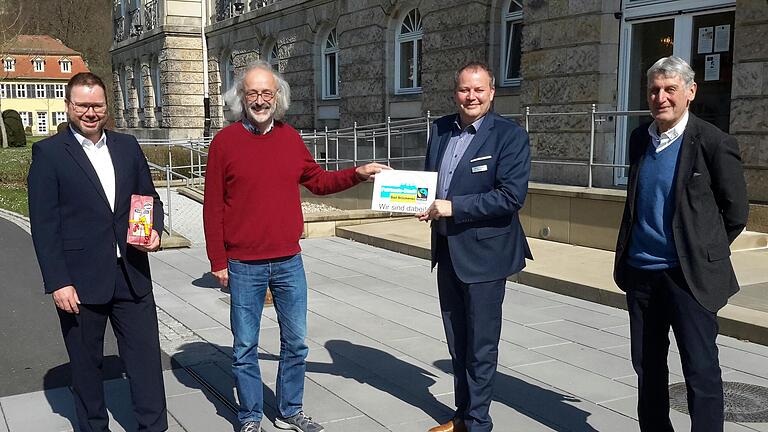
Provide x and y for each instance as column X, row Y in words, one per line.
column 454, row 425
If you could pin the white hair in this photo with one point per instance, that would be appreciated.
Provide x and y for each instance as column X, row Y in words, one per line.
column 235, row 96
column 670, row 67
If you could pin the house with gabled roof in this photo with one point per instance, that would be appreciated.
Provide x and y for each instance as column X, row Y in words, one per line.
column 34, row 71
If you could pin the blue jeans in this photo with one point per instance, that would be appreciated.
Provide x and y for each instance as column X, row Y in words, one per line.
column 248, row 281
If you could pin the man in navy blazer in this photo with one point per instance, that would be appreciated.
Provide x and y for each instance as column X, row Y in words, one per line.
column 483, row 164
column 80, row 186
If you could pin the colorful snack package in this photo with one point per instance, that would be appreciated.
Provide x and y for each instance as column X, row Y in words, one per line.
column 140, row 220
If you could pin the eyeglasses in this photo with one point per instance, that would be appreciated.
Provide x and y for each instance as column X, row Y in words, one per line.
column 82, row 108
column 266, row 95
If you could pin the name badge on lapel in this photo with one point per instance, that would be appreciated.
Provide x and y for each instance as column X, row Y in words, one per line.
column 479, row 168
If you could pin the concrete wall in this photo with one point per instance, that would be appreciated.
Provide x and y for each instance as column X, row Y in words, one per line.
column 566, row 214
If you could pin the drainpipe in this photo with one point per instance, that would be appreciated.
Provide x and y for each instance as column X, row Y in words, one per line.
column 206, row 98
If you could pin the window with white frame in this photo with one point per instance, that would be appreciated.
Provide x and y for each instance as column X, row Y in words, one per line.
column 39, row 91
column 4, row 91
column 408, row 54
column 26, row 118
column 21, row 91
column 511, row 36
column 274, row 58
column 331, row 66
column 59, row 118
column 39, row 65
column 9, row 64
column 66, row 66
column 58, row 91
column 42, row 122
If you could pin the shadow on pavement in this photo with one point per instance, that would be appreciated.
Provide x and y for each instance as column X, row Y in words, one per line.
column 545, row 406
column 59, row 396
column 207, row 280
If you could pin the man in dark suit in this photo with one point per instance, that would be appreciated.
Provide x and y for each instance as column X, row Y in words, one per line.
column 80, row 186
column 686, row 203
column 483, row 165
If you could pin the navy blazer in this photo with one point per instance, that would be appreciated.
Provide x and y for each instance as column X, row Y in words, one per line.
column 485, row 239
column 74, row 230
column 710, row 209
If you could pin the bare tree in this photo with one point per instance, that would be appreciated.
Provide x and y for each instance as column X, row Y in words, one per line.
column 11, row 25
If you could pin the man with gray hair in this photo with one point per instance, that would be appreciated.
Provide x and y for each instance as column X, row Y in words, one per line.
column 686, row 203
column 253, row 222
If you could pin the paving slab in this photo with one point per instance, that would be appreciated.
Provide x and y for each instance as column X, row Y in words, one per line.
column 378, row 359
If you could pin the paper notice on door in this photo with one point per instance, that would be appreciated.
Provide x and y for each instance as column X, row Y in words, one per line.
column 712, row 67
column 706, row 34
column 722, row 38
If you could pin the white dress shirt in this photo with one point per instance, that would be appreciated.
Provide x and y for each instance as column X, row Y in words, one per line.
column 663, row 140
column 98, row 154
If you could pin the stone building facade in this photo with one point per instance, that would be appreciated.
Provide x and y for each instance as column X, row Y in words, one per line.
column 368, row 60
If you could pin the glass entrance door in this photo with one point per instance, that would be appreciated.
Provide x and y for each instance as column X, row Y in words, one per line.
column 704, row 39
column 712, row 61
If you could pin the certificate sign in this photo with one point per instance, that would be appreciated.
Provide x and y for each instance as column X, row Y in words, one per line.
column 403, row 191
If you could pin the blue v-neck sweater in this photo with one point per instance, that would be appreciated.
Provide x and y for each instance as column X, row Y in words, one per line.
column 652, row 245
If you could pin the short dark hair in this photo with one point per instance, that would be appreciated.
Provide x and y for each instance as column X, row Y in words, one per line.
column 474, row 66
column 88, row 79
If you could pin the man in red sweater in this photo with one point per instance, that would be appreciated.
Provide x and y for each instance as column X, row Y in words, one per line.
column 253, row 222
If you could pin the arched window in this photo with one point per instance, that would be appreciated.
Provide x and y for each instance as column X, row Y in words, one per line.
column 511, row 35
column 274, row 58
column 331, row 66
column 408, row 54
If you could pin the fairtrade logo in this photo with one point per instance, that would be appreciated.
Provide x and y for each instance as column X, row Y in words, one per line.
column 422, row 193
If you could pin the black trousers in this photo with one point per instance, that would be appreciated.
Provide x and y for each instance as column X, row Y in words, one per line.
column 134, row 322
column 472, row 320
column 656, row 301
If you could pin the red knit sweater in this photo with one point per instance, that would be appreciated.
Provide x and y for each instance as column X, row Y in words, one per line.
column 252, row 208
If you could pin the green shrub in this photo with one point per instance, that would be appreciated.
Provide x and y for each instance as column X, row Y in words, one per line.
column 14, row 129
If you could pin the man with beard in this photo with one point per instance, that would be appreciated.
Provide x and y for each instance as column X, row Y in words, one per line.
column 253, row 222
column 80, row 186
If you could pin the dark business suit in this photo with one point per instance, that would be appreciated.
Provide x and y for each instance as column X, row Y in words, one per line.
column 75, row 233
column 484, row 244
column 709, row 211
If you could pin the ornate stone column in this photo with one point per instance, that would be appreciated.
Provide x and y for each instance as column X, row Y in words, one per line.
column 214, row 90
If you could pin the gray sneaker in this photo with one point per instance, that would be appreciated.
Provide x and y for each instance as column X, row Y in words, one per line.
column 299, row 423
column 251, row 426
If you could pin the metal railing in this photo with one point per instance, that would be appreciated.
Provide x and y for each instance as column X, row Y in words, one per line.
column 119, row 29
column 190, row 173
column 134, row 18
column 397, row 143
column 226, row 9
column 341, row 148
column 395, row 140
column 151, row 15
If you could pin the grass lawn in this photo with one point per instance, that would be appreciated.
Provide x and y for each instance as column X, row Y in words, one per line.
column 14, row 198
column 14, row 166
